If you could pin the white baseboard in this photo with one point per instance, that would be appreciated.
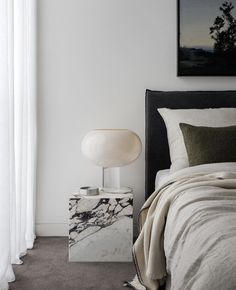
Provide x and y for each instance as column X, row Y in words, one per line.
column 51, row 230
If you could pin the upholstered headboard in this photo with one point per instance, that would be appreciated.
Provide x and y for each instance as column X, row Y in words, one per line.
column 157, row 151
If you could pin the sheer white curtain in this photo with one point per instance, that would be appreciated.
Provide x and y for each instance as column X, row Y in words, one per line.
column 17, row 132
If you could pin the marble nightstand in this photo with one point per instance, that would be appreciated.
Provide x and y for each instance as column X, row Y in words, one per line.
column 101, row 228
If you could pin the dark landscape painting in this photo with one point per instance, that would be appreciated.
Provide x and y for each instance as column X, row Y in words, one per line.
column 206, row 38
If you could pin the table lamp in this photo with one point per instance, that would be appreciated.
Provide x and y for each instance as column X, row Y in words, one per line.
column 111, row 149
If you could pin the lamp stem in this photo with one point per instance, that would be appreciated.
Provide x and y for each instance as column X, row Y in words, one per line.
column 103, row 177
column 111, row 177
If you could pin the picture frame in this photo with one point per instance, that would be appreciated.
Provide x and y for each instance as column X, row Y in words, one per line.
column 200, row 52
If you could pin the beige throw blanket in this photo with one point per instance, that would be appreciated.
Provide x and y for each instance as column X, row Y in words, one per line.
column 217, row 182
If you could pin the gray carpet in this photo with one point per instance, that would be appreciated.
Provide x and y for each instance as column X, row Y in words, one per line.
column 46, row 267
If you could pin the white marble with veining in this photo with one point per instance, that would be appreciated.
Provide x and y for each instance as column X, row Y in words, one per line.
column 101, row 228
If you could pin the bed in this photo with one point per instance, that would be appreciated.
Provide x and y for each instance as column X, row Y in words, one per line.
column 156, row 144
column 188, row 225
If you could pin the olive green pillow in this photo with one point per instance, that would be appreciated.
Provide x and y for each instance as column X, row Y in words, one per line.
column 208, row 144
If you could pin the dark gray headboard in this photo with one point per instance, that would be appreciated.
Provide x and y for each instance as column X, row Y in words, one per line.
column 157, row 151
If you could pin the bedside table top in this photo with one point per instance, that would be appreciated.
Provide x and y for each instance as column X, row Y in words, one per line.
column 101, row 195
column 104, row 194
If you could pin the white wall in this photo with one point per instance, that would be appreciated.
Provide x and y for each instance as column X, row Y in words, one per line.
column 95, row 60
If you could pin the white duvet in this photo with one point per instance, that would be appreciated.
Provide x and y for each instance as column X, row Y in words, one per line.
column 188, row 236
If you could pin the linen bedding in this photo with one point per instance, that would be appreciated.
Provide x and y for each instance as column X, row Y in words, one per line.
column 188, row 231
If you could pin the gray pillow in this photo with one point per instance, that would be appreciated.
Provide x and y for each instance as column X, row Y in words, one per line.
column 209, row 144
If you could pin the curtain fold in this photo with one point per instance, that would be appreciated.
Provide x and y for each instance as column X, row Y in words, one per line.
column 17, row 132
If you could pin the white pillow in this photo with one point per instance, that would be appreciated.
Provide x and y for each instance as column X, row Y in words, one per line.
column 198, row 117
column 161, row 176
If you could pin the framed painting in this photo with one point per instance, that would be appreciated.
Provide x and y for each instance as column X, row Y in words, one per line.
column 206, row 38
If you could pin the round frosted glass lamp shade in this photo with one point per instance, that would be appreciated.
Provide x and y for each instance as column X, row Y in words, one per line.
column 111, row 147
